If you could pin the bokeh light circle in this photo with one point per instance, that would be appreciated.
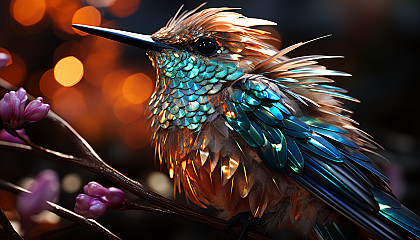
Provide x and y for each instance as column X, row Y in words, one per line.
column 27, row 12
column 68, row 71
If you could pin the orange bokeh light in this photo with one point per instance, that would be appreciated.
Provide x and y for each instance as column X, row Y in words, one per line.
column 27, row 12
column 15, row 70
column 86, row 15
column 126, row 111
column 137, row 88
column 124, row 8
column 68, row 71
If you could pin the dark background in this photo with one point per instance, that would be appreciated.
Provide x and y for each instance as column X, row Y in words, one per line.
column 379, row 39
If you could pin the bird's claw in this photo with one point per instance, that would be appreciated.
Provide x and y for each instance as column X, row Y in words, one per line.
column 247, row 220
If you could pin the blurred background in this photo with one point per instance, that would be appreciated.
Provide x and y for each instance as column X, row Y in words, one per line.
column 101, row 87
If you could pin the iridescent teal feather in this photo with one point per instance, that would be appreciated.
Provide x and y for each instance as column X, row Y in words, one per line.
column 185, row 78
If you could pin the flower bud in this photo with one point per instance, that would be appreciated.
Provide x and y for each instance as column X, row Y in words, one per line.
column 82, row 203
column 115, row 196
column 5, row 108
column 89, row 207
column 97, row 208
column 12, row 106
column 97, row 199
column 44, row 188
column 13, row 111
column 36, row 110
column 94, row 189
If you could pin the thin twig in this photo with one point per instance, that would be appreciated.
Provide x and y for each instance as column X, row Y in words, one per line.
column 94, row 163
column 10, row 187
column 154, row 209
column 78, row 140
column 164, row 207
column 61, row 211
column 88, row 223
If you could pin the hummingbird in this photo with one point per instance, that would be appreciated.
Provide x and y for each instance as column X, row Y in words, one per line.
column 244, row 128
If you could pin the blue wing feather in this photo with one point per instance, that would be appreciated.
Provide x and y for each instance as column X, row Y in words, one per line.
column 273, row 135
column 369, row 166
column 306, row 145
column 346, row 208
column 296, row 162
column 325, row 146
column 320, row 158
column 397, row 213
column 317, row 123
column 296, row 134
column 337, row 137
column 339, row 181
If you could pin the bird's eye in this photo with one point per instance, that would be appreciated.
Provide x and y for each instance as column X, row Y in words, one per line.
column 206, row 46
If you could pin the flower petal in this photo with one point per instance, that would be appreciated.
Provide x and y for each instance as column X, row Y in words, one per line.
column 36, row 110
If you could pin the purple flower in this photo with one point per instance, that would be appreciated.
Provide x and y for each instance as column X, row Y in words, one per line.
column 4, row 59
column 12, row 106
column 13, row 111
column 115, row 196
column 89, row 207
column 45, row 187
column 36, row 110
column 96, row 199
column 94, row 189
column 5, row 136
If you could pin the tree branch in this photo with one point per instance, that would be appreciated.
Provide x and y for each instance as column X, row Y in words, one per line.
column 60, row 211
column 94, row 163
column 88, row 223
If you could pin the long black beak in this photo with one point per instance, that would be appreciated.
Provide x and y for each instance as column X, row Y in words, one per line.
column 139, row 40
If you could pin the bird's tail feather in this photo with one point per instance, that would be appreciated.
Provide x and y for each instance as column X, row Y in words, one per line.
column 397, row 213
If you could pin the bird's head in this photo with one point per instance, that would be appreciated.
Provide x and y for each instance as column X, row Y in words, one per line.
column 214, row 33
column 197, row 55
